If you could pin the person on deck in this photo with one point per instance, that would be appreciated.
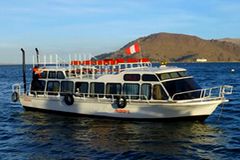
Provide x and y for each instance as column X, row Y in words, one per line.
column 36, row 74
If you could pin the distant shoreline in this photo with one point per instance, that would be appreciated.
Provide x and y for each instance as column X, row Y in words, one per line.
column 201, row 62
column 152, row 62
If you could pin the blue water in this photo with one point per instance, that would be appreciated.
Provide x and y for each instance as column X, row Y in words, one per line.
column 35, row 135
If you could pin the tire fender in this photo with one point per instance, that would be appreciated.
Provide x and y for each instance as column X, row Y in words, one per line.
column 69, row 99
column 15, row 97
column 121, row 102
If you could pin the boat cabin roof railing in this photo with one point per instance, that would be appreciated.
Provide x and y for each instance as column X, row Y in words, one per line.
column 58, row 62
column 108, row 66
column 93, row 68
column 51, row 61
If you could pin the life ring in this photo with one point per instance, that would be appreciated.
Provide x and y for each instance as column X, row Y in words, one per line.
column 121, row 102
column 15, row 97
column 68, row 99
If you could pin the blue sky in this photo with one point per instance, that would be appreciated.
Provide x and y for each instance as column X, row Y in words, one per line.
column 92, row 27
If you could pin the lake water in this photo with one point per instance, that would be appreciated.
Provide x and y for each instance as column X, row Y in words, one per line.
column 35, row 135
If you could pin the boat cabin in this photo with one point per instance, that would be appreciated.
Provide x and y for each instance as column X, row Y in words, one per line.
column 135, row 81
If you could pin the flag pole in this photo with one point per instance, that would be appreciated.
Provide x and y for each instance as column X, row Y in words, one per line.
column 140, row 51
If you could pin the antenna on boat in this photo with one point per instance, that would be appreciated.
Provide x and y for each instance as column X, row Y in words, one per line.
column 37, row 52
column 24, row 71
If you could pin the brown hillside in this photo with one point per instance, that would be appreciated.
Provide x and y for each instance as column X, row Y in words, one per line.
column 232, row 40
column 180, row 47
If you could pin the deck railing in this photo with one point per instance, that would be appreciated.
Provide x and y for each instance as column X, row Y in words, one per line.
column 203, row 94
column 86, row 96
column 200, row 94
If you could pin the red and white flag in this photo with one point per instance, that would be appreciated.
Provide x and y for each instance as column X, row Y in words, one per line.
column 135, row 48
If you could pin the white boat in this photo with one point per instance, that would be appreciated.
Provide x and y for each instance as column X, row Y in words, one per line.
column 130, row 89
column 201, row 60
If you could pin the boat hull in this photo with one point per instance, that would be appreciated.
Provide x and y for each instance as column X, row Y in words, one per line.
column 133, row 110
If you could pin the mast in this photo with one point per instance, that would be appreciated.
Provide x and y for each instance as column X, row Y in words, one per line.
column 37, row 56
column 24, row 71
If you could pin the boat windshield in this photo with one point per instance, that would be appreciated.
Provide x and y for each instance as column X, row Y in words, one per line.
column 182, row 85
column 172, row 75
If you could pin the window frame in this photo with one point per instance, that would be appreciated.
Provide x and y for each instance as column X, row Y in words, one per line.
column 82, row 93
column 155, row 80
column 52, row 77
column 40, row 91
column 188, row 84
column 181, row 74
column 115, row 94
column 68, row 92
column 62, row 74
column 53, row 92
column 127, row 95
column 93, row 92
column 126, row 78
column 151, row 90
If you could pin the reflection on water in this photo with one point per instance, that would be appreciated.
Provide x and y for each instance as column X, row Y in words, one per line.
column 75, row 134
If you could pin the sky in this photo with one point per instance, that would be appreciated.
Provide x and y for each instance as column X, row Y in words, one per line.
column 85, row 28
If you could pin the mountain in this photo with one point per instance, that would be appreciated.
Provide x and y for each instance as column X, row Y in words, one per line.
column 232, row 40
column 179, row 48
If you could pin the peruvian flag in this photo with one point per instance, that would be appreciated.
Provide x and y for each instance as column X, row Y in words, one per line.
column 135, row 48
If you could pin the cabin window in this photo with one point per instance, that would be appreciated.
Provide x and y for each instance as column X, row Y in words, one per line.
column 182, row 85
column 113, row 89
column 131, row 89
column 44, row 74
column 78, row 71
column 135, row 65
column 81, row 88
column 110, row 69
column 52, row 75
column 38, row 87
column 97, row 89
column 146, row 91
column 122, row 66
column 53, row 87
column 149, row 77
column 67, row 73
column 164, row 76
column 159, row 93
column 60, row 75
column 183, row 74
column 70, row 74
column 131, row 77
column 174, row 75
column 116, row 69
column 171, row 75
column 66, row 87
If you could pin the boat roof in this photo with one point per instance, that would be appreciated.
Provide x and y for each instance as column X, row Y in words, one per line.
column 161, row 69
column 115, row 66
column 109, row 71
